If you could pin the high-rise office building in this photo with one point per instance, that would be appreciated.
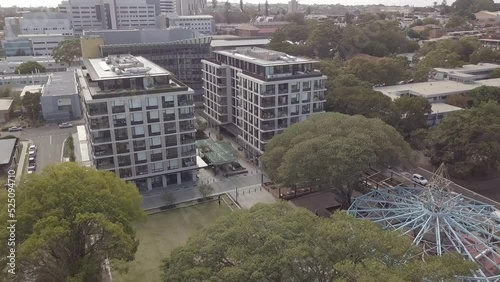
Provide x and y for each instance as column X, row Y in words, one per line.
column 139, row 121
column 293, row 6
column 168, row 6
column 256, row 93
column 37, row 23
column 190, row 7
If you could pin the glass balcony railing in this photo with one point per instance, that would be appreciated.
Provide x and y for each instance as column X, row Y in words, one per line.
column 118, row 109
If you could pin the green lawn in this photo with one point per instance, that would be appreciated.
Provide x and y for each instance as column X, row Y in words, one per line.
column 162, row 233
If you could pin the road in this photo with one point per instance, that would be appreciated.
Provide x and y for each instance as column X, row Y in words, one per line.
column 49, row 140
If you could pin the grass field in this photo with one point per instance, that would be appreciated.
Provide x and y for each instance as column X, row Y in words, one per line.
column 162, row 233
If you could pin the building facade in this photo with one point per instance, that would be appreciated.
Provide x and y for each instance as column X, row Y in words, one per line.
column 9, row 65
column 32, row 44
column 256, row 93
column 60, row 99
column 190, row 7
column 139, row 121
column 38, row 23
column 168, row 6
column 178, row 50
column 293, row 6
column 204, row 24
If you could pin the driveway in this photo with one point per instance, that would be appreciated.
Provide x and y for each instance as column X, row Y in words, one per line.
column 49, row 140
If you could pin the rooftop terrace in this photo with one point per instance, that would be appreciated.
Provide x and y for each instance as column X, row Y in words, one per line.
column 264, row 57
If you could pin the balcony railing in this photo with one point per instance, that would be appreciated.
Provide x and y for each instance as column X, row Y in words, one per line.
column 170, row 143
column 282, row 113
column 140, row 148
column 156, row 157
column 267, row 115
column 306, row 88
column 185, row 102
column 98, row 112
column 120, row 122
column 188, row 163
column 168, row 117
column 99, row 125
column 316, row 110
column 188, row 153
column 319, row 98
column 121, row 164
column 295, row 89
column 269, row 92
column 294, row 113
column 119, row 137
column 268, row 104
column 282, row 91
column 268, row 127
column 102, row 153
column 188, row 140
column 122, row 150
column 102, row 139
column 135, row 109
column 106, row 165
column 189, row 127
column 117, row 109
column 186, row 115
column 282, row 125
column 125, row 173
column 294, row 101
column 168, row 104
column 282, row 102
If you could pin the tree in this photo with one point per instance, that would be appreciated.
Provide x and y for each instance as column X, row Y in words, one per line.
column 385, row 71
column 308, row 10
column 266, row 7
column 411, row 114
column 468, row 141
column 360, row 101
column 483, row 5
column 227, row 9
column 325, row 39
column 241, row 5
column 297, row 18
column 331, row 151
column 29, row 67
column 31, row 102
column 214, row 4
column 258, row 8
column 486, row 55
column 456, row 22
column 70, row 219
column 483, row 94
column 440, row 58
column 67, row 51
column 279, row 243
column 459, row 100
column 206, row 190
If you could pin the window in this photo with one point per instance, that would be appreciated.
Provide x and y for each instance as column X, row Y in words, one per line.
column 153, row 116
column 154, row 129
column 135, row 104
column 136, row 118
column 140, row 157
column 152, row 103
column 173, row 164
column 157, row 167
column 138, row 131
column 155, row 142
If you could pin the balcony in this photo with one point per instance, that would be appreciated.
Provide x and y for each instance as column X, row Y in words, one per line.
column 118, row 109
column 170, row 128
column 97, row 124
column 188, row 153
column 268, row 114
column 172, row 153
column 120, row 122
column 170, row 141
column 187, row 139
column 103, row 164
column 124, row 163
column 305, row 89
column 156, row 157
column 282, row 125
column 267, row 103
column 139, row 146
column 306, row 109
column 168, row 117
column 283, row 101
column 188, row 162
column 295, row 89
column 318, row 98
column 168, row 104
column 122, row 148
column 186, row 126
column 318, row 109
column 125, row 172
column 120, row 137
column 267, row 136
column 96, row 109
column 103, row 150
column 135, row 109
column 152, row 107
column 185, row 115
column 101, row 138
column 141, row 170
column 283, row 113
column 268, row 126
column 283, row 91
column 319, row 86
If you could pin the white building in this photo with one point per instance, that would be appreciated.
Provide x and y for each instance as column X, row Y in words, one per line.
column 293, row 6
column 190, row 7
column 110, row 14
column 18, row 82
column 9, row 64
column 139, row 120
column 168, row 6
column 256, row 93
column 466, row 73
column 204, row 24
column 44, row 44
column 37, row 23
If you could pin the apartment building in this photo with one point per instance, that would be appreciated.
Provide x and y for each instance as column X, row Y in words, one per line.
column 256, row 93
column 168, row 6
column 175, row 49
column 139, row 121
column 190, row 7
column 38, row 23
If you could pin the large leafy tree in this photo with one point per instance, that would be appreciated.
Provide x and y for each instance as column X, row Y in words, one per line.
column 359, row 100
column 483, row 94
column 32, row 105
column 68, row 51
column 29, row 67
column 279, row 243
column 331, row 151
column 411, row 114
column 486, row 55
column 385, row 71
column 69, row 220
column 325, row 39
column 468, row 141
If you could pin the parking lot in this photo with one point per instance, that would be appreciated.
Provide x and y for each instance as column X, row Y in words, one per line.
column 48, row 139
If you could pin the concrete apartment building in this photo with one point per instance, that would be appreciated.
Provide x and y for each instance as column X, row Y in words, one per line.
column 38, row 23
column 465, row 74
column 168, row 6
column 175, row 49
column 256, row 93
column 139, row 120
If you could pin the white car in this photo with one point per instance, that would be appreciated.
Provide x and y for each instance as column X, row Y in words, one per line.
column 32, row 150
column 31, row 168
column 417, row 178
column 65, row 125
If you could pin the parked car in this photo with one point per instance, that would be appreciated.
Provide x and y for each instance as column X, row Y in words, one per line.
column 417, row 178
column 65, row 125
column 31, row 160
column 31, row 168
column 15, row 128
column 32, row 150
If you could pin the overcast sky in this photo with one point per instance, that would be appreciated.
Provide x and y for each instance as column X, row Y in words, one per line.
column 53, row 3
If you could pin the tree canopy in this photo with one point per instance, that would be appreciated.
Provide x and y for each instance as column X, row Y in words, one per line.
column 468, row 141
column 29, row 67
column 68, row 51
column 31, row 103
column 279, row 243
column 384, row 71
column 69, row 219
column 411, row 113
column 331, row 151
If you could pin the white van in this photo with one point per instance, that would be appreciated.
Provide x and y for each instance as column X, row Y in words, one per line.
column 417, row 178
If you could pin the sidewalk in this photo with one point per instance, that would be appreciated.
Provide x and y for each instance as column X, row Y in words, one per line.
column 22, row 159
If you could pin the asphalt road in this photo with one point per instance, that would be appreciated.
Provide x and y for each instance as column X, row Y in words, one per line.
column 49, row 140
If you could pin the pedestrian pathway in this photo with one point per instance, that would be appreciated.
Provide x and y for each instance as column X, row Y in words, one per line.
column 22, row 159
